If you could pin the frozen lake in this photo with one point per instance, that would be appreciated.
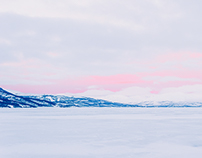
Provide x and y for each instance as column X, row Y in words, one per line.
column 101, row 133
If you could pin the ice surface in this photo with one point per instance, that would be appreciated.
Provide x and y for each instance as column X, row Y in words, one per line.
column 101, row 133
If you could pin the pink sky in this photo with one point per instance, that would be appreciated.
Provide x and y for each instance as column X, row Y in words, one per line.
column 113, row 47
column 179, row 73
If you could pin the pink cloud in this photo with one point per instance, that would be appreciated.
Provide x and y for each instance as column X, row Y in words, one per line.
column 112, row 83
column 178, row 56
column 78, row 85
column 39, row 73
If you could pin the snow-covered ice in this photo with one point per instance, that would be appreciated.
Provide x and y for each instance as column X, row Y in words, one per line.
column 101, row 133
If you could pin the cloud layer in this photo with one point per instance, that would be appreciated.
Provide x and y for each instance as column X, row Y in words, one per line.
column 69, row 46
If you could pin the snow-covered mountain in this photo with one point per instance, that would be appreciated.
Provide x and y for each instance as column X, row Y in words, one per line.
column 9, row 100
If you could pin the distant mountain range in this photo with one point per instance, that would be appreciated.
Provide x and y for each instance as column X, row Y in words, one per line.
column 10, row 100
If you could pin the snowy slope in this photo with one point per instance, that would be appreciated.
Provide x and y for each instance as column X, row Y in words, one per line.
column 8, row 99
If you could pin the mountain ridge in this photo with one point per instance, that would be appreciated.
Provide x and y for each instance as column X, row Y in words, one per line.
column 11, row 100
column 8, row 99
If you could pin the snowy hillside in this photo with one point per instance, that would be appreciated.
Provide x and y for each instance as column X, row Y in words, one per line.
column 10, row 100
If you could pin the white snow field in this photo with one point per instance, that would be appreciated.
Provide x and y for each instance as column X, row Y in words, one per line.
column 101, row 133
